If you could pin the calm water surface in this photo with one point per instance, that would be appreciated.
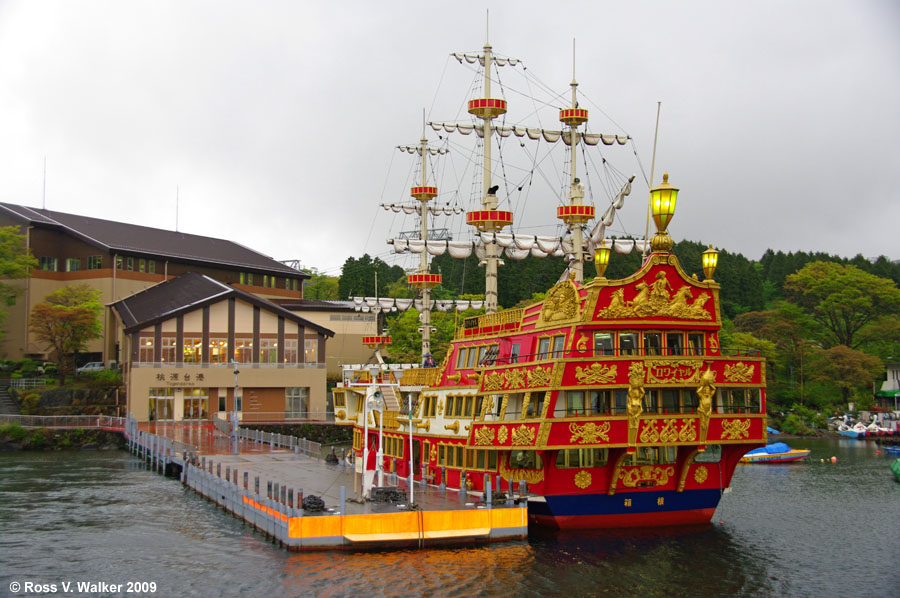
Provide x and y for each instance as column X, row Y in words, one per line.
column 809, row 529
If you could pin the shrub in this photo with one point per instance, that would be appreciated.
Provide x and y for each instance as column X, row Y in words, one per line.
column 13, row 432
column 30, row 403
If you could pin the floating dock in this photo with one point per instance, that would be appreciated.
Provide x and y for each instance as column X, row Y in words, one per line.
column 263, row 478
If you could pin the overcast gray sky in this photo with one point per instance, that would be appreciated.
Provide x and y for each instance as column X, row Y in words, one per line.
column 277, row 121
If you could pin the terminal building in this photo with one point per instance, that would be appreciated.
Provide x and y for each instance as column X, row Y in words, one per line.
column 181, row 306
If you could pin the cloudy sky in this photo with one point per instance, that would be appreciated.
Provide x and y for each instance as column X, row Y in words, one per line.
column 276, row 122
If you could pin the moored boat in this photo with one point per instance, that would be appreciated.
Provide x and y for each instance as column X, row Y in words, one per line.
column 858, row 430
column 608, row 403
column 778, row 452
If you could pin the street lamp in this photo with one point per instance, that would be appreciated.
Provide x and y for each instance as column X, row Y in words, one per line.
column 710, row 260
column 662, row 206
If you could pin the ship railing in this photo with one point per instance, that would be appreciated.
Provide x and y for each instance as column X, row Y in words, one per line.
column 524, row 358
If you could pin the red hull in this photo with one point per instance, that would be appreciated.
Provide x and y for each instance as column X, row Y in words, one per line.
column 690, row 517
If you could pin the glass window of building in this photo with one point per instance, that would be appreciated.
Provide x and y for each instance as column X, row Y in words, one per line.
column 575, row 402
column 311, row 350
column 472, row 356
column 167, row 350
column 145, row 352
column 120, row 262
column 296, row 403
column 193, row 349
column 268, row 350
column 543, row 348
column 196, row 403
column 290, row 350
column 49, row 264
column 129, row 264
column 73, row 264
column 94, row 262
column 218, row 350
column 151, row 266
column 559, row 345
column 162, row 403
column 243, row 350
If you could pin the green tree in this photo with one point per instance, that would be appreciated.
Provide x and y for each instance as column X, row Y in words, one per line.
column 65, row 321
column 848, row 370
column 15, row 263
column 842, row 299
column 320, row 286
column 358, row 277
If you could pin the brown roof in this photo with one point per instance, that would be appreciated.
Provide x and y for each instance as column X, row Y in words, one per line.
column 188, row 292
column 132, row 239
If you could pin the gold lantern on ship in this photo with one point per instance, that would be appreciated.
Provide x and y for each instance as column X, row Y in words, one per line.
column 601, row 258
column 710, row 261
column 662, row 206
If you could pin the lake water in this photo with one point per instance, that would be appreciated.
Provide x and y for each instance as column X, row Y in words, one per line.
column 809, row 529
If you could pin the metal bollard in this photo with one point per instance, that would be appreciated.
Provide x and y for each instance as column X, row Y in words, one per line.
column 488, row 489
column 256, row 485
column 269, row 490
column 343, row 498
column 246, row 480
column 290, row 497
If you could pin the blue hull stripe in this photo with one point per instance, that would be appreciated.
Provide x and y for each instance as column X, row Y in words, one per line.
column 641, row 502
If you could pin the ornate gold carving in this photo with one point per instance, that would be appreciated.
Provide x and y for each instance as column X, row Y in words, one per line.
column 706, row 391
column 540, row 376
column 700, row 474
column 543, row 435
column 596, row 373
column 633, row 476
column 616, row 470
column 685, row 467
column 340, row 414
column 735, row 429
column 523, row 436
column 589, row 433
column 502, row 434
column 455, row 378
column 515, row 378
column 635, row 396
column 667, row 371
column 739, row 372
column 494, row 381
column 440, row 406
column 454, row 427
column 561, row 303
column 581, row 345
column 650, row 434
column 657, row 299
column 531, row 476
column 503, row 404
column 583, row 479
column 426, row 426
column 546, row 408
column 668, row 434
column 484, row 436
column 687, row 433
column 713, row 343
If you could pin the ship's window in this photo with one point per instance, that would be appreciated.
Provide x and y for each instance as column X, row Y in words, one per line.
column 536, row 404
column 559, row 343
column 651, row 401
column 603, row 343
column 473, row 353
column 490, row 356
column 670, row 400
column 479, row 460
column 430, row 406
column 525, row 460
column 467, row 409
column 628, row 343
column 442, row 454
column 712, row 454
column 695, row 344
column 652, row 343
column 479, row 405
column 338, row 398
column 460, row 358
column 574, row 458
column 599, row 401
column 514, row 404
column 514, row 353
column 675, row 343
column 458, row 407
column 543, row 348
column 753, row 402
column 691, row 401
column 654, row 455
column 621, row 401
column 575, row 403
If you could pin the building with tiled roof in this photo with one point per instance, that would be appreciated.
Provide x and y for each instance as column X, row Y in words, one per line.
column 120, row 260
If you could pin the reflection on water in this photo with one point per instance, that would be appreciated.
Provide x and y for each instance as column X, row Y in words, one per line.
column 795, row 530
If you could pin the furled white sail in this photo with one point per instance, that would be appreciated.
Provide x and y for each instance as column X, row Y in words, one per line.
column 548, row 135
